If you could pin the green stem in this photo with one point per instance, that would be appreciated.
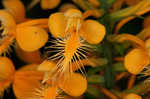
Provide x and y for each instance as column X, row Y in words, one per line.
column 108, row 71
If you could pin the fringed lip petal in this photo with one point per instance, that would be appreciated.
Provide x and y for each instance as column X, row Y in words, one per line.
column 92, row 31
column 75, row 85
column 57, row 24
column 136, row 60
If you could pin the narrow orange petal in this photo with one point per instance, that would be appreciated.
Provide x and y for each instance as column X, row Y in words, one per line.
column 129, row 37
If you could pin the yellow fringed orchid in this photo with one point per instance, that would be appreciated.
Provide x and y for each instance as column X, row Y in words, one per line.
column 70, row 28
column 138, row 58
column 26, row 84
column 74, row 85
column 22, row 33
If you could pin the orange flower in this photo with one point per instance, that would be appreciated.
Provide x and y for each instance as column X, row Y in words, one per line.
column 26, row 84
column 74, row 85
column 137, row 58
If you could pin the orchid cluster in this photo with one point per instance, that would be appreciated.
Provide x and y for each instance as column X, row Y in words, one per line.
column 80, row 51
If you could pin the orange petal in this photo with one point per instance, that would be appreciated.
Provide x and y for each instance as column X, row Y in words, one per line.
column 49, row 4
column 16, row 8
column 92, row 31
column 57, row 24
column 31, row 38
column 75, row 85
column 136, row 60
